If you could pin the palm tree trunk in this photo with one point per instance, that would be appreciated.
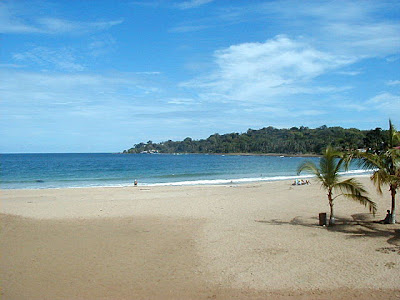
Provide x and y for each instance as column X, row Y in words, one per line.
column 331, row 217
column 393, row 192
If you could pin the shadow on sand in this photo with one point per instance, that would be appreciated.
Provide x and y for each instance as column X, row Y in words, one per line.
column 360, row 226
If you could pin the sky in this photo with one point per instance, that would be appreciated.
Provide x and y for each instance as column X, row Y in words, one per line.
column 101, row 76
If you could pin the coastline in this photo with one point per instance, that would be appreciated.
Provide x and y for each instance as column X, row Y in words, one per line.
column 245, row 241
column 270, row 154
column 79, row 170
column 233, row 154
column 200, row 182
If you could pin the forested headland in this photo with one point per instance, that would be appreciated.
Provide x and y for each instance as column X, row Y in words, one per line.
column 296, row 140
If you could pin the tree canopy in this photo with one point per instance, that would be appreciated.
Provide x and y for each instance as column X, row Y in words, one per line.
column 296, row 140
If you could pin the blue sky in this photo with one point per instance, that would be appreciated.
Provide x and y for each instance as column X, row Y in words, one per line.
column 100, row 76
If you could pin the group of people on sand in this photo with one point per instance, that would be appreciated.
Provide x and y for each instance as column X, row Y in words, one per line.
column 301, row 182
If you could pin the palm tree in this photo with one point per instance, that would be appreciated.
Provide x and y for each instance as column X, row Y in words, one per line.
column 385, row 167
column 328, row 174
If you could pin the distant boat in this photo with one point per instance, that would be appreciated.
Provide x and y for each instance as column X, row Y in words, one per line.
column 281, row 156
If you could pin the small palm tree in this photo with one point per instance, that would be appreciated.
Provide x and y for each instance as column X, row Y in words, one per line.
column 328, row 174
column 385, row 167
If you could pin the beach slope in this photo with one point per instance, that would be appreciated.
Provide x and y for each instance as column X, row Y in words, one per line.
column 253, row 241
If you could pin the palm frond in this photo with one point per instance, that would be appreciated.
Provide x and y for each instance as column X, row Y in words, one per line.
column 369, row 161
column 352, row 186
column 385, row 167
column 394, row 136
column 348, row 158
column 328, row 174
column 354, row 190
column 380, row 178
column 364, row 200
column 308, row 166
column 311, row 167
column 330, row 165
column 339, row 165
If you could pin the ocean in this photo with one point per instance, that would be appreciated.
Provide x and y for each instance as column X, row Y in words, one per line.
column 38, row 171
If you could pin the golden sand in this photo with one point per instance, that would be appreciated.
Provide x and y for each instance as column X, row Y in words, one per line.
column 253, row 241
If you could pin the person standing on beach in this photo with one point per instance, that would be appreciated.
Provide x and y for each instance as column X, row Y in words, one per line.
column 135, row 183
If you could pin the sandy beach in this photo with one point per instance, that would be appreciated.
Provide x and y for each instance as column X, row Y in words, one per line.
column 251, row 241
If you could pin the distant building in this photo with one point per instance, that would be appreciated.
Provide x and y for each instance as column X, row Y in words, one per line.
column 149, row 152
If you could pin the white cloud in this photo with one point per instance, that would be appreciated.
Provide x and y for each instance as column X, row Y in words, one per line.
column 62, row 59
column 192, row 3
column 181, row 101
column 363, row 29
column 50, row 88
column 120, row 96
column 12, row 21
column 392, row 58
column 375, row 39
column 393, row 82
column 146, row 3
column 11, row 66
column 386, row 102
column 349, row 73
column 258, row 72
column 148, row 73
column 101, row 45
column 344, row 105
column 59, row 26
column 188, row 28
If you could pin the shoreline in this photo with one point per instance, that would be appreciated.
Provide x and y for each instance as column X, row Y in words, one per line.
column 232, row 154
column 270, row 154
column 202, row 182
column 247, row 241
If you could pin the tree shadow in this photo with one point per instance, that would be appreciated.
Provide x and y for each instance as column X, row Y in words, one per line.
column 359, row 226
column 295, row 221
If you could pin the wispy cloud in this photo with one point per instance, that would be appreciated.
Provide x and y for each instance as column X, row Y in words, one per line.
column 192, row 4
column 260, row 72
column 11, row 21
column 387, row 102
column 146, row 3
column 377, row 39
column 101, row 45
column 393, row 82
column 188, row 28
column 59, row 26
column 353, row 29
column 181, row 101
column 61, row 59
column 148, row 73
column 11, row 66
column 349, row 73
column 83, row 105
column 127, row 93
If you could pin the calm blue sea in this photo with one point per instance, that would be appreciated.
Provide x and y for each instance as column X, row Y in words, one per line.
column 35, row 171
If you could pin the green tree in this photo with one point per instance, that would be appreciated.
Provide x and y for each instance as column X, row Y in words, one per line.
column 385, row 166
column 374, row 140
column 266, row 140
column 327, row 173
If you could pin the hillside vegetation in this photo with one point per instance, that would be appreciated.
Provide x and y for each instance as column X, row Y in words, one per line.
column 302, row 140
